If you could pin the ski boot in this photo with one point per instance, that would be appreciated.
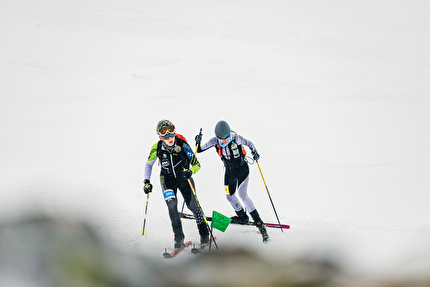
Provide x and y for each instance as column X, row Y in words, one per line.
column 204, row 239
column 260, row 225
column 179, row 237
column 204, row 233
column 241, row 218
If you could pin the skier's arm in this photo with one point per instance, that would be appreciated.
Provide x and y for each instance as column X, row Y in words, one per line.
column 242, row 141
column 151, row 160
column 209, row 144
column 195, row 164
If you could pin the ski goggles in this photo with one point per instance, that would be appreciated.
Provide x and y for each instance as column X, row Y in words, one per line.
column 166, row 130
column 166, row 137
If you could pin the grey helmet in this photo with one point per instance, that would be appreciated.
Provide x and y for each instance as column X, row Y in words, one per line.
column 222, row 130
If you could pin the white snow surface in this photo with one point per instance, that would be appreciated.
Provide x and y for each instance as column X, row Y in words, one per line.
column 334, row 94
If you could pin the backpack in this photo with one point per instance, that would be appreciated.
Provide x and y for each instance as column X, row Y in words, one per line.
column 233, row 161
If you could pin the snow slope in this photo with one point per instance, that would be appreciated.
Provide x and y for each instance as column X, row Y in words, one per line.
column 334, row 94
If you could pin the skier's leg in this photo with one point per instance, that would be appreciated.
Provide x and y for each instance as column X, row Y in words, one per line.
column 242, row 191
column 230, row 185
column 260, row 224
column 169, row 192
column 241, row 217
column 234, row 201
column 191, row 202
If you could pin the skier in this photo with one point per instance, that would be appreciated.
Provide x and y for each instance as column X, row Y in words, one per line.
column 230, row 147
column 175, row 156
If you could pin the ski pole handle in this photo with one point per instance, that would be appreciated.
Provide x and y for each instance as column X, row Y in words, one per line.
column 198, row 139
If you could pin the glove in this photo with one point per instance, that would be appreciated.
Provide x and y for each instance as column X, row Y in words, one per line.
column 147, row 186
column 198, row 139
column 187, row 173
column 255, row 155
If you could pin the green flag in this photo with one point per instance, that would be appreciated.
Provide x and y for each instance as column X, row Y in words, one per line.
column 220, row 221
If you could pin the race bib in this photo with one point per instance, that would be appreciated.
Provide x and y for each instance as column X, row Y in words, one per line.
column 168, row 194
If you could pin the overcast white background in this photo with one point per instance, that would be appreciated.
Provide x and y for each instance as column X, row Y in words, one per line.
column 334, row 94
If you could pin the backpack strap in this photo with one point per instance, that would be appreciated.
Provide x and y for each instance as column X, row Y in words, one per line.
column 219, row 149
column 181, row 137
column 242, row 150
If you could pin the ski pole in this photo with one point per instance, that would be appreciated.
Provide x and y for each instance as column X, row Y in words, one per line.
column 201, row 209
column 197, row 200
column 183, row 205
column 269, row 196
column 143, row 232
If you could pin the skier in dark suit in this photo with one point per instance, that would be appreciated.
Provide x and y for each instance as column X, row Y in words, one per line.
column 176, row 157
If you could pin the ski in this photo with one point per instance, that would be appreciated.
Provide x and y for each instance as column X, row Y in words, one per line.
column 199, row 249
column 272, row 225
column 176, row 251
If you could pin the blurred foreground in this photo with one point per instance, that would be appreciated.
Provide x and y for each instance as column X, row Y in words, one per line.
column 42, row 251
